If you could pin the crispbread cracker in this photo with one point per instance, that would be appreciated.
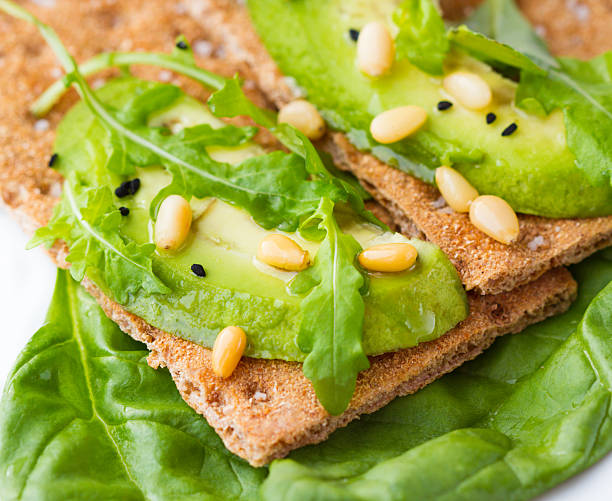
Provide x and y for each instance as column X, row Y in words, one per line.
column 266, row 408
column 486, row 266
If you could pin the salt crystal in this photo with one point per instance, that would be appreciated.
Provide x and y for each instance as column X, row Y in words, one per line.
column 580, row 10
column 439, row 203
column 535, row 243
column 45, row 3
column 56, row 72
column 41, row 125
column 126, row 45
column 203, row 48
column 540, row 30
column 296, row 90
column 56, row 190
column 260, row 396
column 165, row 75
column 97, row 83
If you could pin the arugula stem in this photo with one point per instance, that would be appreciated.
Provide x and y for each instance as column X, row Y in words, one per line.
column 88, row 228
column 55, row 91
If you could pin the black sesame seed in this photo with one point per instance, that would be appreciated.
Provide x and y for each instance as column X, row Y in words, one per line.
column 121, row 190
column 198, row 270
column 510, row 129
column 354, row 34
column 134, row 186
column 444, row 105
column 53, row 159
column 124, row 211
column 182, row 45
column 128, row 188
column 491, row 117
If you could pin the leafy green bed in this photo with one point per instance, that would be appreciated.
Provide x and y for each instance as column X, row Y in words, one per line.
column 84, row 417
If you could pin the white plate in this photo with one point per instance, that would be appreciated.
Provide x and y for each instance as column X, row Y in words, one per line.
column 26, row 285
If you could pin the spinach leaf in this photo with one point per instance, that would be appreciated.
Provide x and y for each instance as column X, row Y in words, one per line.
column 88, row 220
column 331, row 330
column 83, row 417
column 532, row 411
column 422, row 35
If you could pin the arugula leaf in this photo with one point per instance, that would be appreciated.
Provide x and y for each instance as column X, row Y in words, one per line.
column 180, row 61
column 273, row 188
column 230, row 101
column 490, row 51
column 332, row 313
column 84, row 417
column 501, row 20
column 425, row 42
column 194, row 173
column 582, row 89
column 88, row 221
column 422, row 35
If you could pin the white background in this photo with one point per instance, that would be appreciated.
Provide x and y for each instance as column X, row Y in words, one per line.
column 26, row 285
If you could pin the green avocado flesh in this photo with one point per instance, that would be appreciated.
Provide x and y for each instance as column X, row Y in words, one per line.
column 533, row 169
column 402, row 309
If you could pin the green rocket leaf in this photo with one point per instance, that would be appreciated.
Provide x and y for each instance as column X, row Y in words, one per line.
column 332, row 325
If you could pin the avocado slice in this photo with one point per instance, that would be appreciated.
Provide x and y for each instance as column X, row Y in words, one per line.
column 533, row 169
column 402, row 309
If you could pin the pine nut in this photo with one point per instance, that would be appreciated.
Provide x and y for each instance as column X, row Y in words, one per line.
column 494, row 216
column 375, row 49
column 173, row 223
column 397, row 123
column 227, row 350
column 304, row 117
column 456, row 190
column 469, row 89
column 388, row 257
column 282, row 252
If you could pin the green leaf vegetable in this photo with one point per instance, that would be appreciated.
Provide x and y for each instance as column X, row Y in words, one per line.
column 580, row 88
column 193, row 173
column 275, row 189
column 422, row 35
column 332, row 326
column 532, row 411
column 501, row 20
column 83, row 416
column 89, row 221
column 230, row 101
column 424, row 40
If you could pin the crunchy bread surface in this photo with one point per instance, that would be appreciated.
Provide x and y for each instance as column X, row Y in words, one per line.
column 484, row 265
column 266, row 408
